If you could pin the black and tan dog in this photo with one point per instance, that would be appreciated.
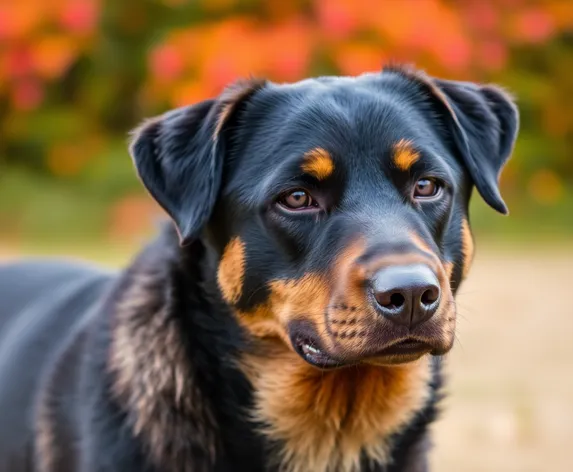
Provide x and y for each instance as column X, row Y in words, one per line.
column 293, row 316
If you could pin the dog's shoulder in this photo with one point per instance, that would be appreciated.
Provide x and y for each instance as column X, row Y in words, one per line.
column 154, row 350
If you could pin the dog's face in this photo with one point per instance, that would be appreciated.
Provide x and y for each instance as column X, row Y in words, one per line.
column 336, row 207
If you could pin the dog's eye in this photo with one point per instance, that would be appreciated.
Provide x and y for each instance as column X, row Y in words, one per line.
column 427, row 188
column 297, row 200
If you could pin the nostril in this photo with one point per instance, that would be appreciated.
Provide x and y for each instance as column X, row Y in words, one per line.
column 390, row 300
column 396, row 300
column 430, row 296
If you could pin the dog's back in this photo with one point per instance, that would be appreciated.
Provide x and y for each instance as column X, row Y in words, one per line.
column 42, row 303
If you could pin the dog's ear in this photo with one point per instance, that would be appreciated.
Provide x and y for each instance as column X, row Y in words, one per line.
column 484, row 122
column 179, row 156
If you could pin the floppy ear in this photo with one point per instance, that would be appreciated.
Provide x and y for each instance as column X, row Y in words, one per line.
column 483, row 121
column 179, row 156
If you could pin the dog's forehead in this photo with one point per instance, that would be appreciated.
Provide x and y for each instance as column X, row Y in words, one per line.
column 352, row 118
column 393, row 83
column 366, row 103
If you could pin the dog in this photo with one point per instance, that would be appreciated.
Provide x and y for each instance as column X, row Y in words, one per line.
column 292, row 313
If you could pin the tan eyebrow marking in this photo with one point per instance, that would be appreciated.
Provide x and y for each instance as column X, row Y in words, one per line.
column 318, row 162
column 404, row 154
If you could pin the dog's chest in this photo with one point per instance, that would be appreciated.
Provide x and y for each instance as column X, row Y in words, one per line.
column 327, row 421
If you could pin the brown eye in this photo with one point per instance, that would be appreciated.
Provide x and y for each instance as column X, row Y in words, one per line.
column 426, row 188
column 297, row 200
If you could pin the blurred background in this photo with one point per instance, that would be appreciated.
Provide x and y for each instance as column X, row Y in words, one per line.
column 77, row 75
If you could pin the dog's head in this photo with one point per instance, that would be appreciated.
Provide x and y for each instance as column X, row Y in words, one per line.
column 336, row 207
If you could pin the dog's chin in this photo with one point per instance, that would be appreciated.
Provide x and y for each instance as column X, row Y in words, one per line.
column 401, row 352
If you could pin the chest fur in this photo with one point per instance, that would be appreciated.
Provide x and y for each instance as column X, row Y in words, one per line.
column 325, row 421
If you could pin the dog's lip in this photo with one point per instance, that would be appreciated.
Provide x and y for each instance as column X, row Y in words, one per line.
column 313, row 353
column 400, row 352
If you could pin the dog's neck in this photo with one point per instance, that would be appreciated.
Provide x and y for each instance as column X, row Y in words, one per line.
column 332, row 420
column 169, row 359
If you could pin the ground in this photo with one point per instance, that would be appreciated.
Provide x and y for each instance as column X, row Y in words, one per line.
column 510, row 402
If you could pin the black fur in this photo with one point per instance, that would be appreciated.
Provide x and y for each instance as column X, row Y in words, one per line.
column 486, row 130
column 217, row 168
column 179, row 163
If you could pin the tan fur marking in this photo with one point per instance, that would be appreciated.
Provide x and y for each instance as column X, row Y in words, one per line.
column 232, row 270
column 153, row 379
column 449, row 268
column 260, row 321
column 318, row 163
column 467, row 247
column 325, row 420
column 423, row 245
column 305, row 297
column 345, row 261
column 447, row 324
column 444, row 272
column 349, row 292
column 404, row 154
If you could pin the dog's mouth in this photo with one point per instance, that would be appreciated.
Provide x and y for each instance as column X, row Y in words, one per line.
column 403, row 351
column 310, row 350
column 310, row 347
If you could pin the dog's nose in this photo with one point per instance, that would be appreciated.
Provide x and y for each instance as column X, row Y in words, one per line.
column 407, row 295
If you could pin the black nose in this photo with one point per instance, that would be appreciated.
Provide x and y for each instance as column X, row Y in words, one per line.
column 407, row 295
